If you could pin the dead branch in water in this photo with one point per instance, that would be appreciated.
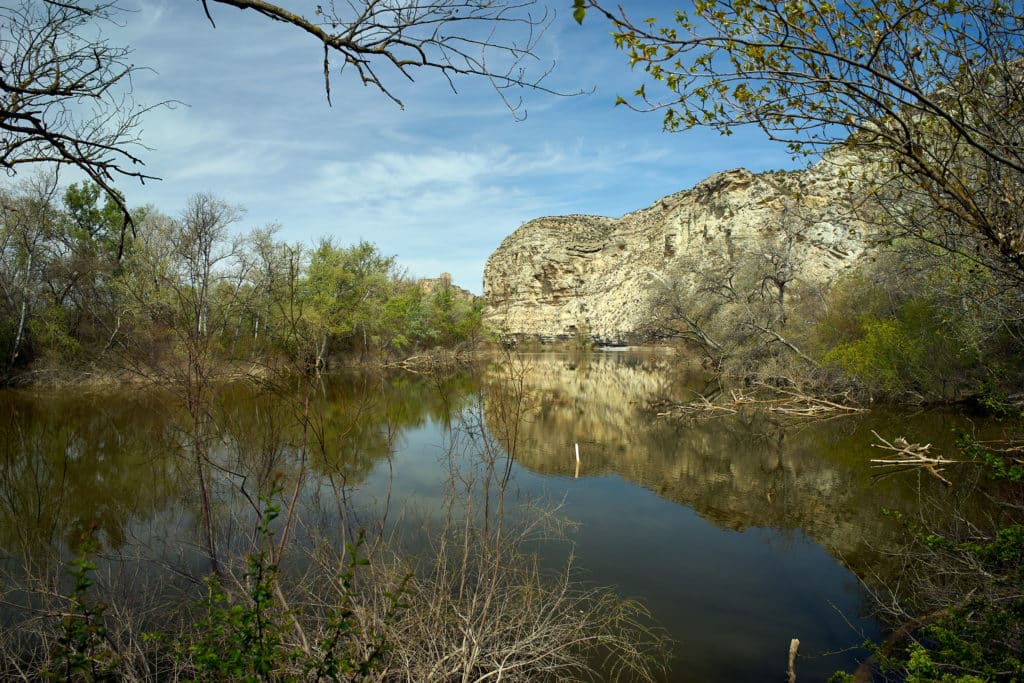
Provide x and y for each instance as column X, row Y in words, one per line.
column 433, row 362
column 798, row 404
column 910, row 455
column 786, row 402
column 701, row 406
column 794, row 650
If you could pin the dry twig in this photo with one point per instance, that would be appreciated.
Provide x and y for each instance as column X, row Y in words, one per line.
column 790, row 403
column 911, row 455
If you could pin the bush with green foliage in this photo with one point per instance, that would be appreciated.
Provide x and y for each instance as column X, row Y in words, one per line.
column 238, row 635
column 251, row 636
column 910, row 326
column 82, row 651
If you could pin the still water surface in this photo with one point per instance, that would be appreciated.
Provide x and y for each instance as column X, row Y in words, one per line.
column 738, row 533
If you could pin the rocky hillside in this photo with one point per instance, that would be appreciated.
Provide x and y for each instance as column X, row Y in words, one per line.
column 429, row 285
column 598, row 278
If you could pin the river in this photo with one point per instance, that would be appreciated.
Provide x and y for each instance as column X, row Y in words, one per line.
column 738, row 533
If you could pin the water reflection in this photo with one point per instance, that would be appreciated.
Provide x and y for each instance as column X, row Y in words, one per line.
column 68, row 463
column 737, row 471
column 114, row 462
column 736, row 531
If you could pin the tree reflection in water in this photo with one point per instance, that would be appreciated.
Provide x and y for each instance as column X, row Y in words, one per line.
column 734, row 531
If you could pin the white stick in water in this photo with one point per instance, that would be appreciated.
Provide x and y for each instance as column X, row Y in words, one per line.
column 577, row 452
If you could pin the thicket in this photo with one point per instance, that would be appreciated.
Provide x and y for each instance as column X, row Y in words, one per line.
column 920, row 325
column 911, row 323
column 73, row 300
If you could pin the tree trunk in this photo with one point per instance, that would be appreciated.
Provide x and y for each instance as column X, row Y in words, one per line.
column 19, row 336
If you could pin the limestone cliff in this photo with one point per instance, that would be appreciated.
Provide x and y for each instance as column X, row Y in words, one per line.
column 429, row 285
column 595, row 277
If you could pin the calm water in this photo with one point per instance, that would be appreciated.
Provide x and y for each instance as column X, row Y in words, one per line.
column 738, row 533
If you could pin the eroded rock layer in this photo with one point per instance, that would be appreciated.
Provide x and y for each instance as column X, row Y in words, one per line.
column 597, row 278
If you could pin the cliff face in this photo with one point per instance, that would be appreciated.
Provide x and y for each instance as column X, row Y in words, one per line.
column 588, row 276
column 429, row 285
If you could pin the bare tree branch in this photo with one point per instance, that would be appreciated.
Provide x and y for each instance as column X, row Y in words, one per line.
column 66, row 94
column 491, row 39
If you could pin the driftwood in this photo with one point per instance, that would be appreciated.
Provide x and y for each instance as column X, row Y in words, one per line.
column 431, row 362
column 911, row 455
column 799, row 404
column 794, row 649
column 784, row 402
column 701, row 406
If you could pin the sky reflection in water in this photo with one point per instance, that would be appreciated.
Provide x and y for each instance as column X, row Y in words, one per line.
column 736, row 533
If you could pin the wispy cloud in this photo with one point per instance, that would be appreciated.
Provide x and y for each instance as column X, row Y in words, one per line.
column 443, row 181
column 395, row 175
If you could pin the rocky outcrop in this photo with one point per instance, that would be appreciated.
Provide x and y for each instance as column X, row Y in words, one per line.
column 430, row 285
column 597, row 278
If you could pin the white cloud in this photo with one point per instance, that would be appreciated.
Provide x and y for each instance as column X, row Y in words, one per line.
column 443, row 181
column 397, row 175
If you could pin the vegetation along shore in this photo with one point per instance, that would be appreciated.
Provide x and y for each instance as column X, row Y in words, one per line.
column 300, row 462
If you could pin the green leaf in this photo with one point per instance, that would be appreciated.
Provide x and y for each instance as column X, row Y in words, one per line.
column 579, row 10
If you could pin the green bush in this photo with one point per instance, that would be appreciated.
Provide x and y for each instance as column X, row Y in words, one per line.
column 82, row 651
column 911, row 352
column 882, row 356
column 249, row 638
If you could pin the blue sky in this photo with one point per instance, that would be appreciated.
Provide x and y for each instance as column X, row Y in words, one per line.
column 438, row 184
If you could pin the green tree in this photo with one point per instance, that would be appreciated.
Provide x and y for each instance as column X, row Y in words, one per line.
column 347, row 289
column 276, row 303
column 84, row 277
column 404, row 320
column 94, row 221
column 30, row 322
column 58, row 273
column 454, row 319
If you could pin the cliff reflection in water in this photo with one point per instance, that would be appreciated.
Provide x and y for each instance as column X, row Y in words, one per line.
column 738, row 471
column 68, row 462
column 120, row 463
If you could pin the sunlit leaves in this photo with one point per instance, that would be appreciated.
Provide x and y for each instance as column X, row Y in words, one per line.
column 579, row 10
